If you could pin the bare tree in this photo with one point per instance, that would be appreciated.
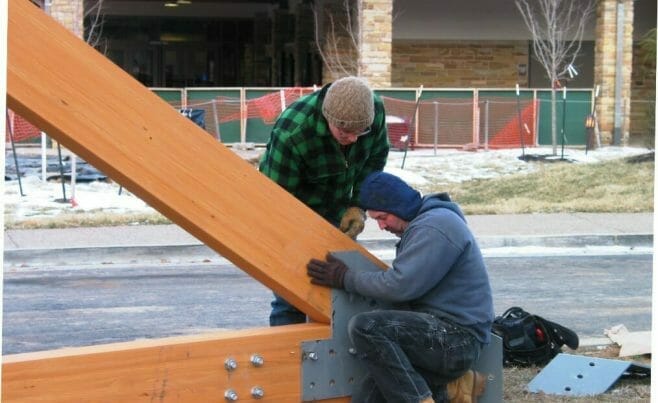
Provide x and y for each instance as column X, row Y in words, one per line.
column 557, row 28
column 94, row 32
column 339, row 42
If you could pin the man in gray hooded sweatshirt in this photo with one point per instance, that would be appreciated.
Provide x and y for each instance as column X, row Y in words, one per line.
column 423, row 349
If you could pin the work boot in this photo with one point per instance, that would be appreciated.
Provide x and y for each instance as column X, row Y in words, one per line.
column 467, row 388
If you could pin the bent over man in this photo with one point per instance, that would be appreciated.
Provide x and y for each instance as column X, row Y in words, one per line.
column 320, row 150
column 424, row 348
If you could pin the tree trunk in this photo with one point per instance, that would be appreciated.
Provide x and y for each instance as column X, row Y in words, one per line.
column 553, row 120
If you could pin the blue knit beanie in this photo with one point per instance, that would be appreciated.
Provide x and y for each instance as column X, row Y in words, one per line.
column 382, row 191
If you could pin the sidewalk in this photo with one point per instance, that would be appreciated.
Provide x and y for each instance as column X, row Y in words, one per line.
column 143, row 243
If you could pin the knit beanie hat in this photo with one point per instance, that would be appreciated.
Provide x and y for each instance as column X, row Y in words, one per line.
column 349, row 104
column 382, row 191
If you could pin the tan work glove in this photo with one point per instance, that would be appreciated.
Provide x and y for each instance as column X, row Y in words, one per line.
column 353, row 222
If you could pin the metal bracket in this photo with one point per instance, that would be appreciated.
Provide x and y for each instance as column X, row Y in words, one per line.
column 330, row 368
column 577, row 375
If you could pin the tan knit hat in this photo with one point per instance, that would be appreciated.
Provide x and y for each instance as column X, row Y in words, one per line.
column 349, row 104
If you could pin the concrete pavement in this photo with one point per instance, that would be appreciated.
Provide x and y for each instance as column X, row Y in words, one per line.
column 170, row 243
column 147, row 244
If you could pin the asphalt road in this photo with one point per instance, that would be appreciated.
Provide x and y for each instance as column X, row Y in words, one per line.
column 51, row 308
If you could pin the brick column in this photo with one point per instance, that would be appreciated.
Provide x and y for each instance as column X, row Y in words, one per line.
column 376, row 22
column 69, row 13
column 613, row 117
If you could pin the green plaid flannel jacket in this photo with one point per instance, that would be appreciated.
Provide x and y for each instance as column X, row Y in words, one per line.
column 304, row 158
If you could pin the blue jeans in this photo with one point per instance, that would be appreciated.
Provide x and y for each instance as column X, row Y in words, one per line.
column 285, row 314
column 409, row 356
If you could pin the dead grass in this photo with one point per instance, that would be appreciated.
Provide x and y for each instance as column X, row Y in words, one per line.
column 516, row 380
column 616, row 186
column 87, row 219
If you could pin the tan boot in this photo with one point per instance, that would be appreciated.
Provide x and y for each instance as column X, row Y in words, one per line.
column 467, row 388
column 428, row 400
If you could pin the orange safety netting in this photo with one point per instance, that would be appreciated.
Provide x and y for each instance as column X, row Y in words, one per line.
column 226, row 109
column 513, row 134
column 399, row 118
column 20, row 128
column 268, row 107
column 445, row 122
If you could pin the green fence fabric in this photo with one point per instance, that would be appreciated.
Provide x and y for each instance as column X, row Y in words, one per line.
column 570, row 116
column 224, row 122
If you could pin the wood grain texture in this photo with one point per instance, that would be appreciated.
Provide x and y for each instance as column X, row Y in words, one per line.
column 178, row 369
column 80, row 98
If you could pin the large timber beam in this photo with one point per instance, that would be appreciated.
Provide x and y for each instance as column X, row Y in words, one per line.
column 102, row 114
column 83, row 100
column 177, row 369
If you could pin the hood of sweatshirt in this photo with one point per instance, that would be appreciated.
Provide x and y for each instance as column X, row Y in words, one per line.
column 440, row 200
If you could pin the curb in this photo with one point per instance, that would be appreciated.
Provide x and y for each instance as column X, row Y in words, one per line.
column 552, row 241
column 195, row 253
column 111, row 255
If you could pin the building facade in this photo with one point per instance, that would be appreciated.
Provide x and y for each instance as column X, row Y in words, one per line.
column 204, row 43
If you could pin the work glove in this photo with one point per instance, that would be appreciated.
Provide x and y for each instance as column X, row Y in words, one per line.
column 329, row 274
column 353, row 222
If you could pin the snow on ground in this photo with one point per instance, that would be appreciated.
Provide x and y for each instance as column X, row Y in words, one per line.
column 420, row 167
column 454, row 166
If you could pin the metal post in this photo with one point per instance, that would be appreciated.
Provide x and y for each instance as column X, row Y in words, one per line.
column 412, row 127
column 436, row 125
column 13, row 149
column 564, row 119
column 44, row 159
column 486, row 125
column 73, row 176
column 518, row 111
column 243, row 115
column 61, row 171
column 216, row 117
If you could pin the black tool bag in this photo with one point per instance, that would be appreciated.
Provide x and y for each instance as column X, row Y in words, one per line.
column 530, row 339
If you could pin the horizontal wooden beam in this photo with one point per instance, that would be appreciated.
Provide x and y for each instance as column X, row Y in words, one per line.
column 83, row 100
column 177, row 369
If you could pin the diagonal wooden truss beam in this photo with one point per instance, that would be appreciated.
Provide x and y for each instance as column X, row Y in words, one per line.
column 102, row 114
column 83, row 100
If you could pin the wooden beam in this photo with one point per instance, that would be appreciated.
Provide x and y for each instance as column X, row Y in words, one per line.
column 177, row 369
column 83, row 100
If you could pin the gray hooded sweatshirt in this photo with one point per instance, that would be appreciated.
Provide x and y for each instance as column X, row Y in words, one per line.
column 438, row 269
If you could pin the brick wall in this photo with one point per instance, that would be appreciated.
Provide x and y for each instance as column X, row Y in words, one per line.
column 643, row 98
column 376, row 20
column 605, row 62
column 69, row 13
column 492, row 64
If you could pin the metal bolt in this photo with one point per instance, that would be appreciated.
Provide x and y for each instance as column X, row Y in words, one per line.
column 352, row 350
column 257, row 360
column 257, row 392
column 230, row 364
column 230, row 395
column 313, row 356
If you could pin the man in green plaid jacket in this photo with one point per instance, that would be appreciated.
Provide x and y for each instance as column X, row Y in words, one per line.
column 320, row 150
